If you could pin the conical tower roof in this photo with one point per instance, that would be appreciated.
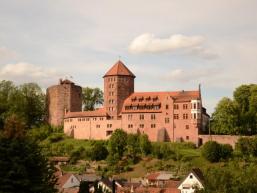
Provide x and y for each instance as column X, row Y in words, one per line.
column 119, row 69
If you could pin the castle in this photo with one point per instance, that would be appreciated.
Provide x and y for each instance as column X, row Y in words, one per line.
column 163, row 116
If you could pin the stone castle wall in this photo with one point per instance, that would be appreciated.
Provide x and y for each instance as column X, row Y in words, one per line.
column 60, row 98
column 222, row 139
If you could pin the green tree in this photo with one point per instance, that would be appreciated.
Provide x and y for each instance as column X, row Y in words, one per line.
column 99, row 151
column 23, row 168
column 133, row 148
column 117, row 143
column 91, row 97
column 225, row 117
column 145, row 144
column 7, row 91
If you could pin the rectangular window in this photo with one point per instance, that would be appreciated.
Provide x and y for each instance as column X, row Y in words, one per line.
column 185, row 116
column 176, row 116
column 141, row 117
column 130, row 126
column 184, row 106
column 176, row 106
column 167, row 120
column 187, row 126
column 108, row 133
column 152, row 116
column 167, row 106
column 152, row 125
column 109, row 125
column 187, row 137
column 129, row 117
column 141, row 125
column 97, row 126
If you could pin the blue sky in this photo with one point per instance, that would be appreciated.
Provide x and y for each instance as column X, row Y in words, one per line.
column 168, row 44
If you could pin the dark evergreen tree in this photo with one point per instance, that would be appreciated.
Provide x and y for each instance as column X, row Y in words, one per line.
column 23, row 168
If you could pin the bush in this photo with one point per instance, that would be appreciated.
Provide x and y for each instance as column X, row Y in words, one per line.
column 226, row 151
column 99, row 152
column 211, row 151
column 55, row 137
column 247, row 146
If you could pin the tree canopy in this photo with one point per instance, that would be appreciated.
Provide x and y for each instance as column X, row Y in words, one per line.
column 23, row 168
column 27, row 101
column 91, row 97
column 237, row 115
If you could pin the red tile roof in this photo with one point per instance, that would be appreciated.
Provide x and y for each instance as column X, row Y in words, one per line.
column 101, row 112
column 155, row 98
column 119, row 69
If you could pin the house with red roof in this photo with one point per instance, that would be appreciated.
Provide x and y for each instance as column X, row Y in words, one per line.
column 163, row 116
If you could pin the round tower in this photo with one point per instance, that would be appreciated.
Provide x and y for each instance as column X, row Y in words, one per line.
column 118, row 85
column 66, row 96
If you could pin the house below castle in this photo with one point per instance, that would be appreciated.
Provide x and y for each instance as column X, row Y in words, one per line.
column 163, row 116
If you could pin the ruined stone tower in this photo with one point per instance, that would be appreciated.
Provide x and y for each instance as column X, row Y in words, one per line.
column 118, row 85
column 60, row 98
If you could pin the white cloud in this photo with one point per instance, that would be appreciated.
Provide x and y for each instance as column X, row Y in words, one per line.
column 148, row 43
column 25, row 72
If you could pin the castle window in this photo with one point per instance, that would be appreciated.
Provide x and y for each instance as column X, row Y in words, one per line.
column 101, row 118
column 167, row 106
column 152, row 116
column 176, row 106
column 94, row 118
column 70, row 120
column 187, row 126
column 187, row 137
column 194, row 106
column 108, row 133
column 83, row 119
column 109, row 125
column 167, row 120
column 185, row 116
column 87, row 119
column 130, row 126
column 141, row 117
column 176, row 116
column 152, row 125
column 97, row 126
column 184, row 106
column 130, row 117
column 194, row 115
column 141, row 125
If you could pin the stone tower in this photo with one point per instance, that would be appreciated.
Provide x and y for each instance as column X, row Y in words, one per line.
column 60, row 98
column 118, row 85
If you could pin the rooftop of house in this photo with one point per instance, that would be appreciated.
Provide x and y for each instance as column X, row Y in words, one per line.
column 119, row 68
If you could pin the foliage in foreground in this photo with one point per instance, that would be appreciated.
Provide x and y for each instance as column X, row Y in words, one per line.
column 23, row 168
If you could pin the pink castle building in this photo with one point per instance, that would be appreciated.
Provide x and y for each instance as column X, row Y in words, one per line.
column 163, row 116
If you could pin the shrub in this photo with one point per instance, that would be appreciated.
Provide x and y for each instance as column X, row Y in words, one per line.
column 55, row 137
column 226, row 151
column 211, row 151
column 99, row 152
